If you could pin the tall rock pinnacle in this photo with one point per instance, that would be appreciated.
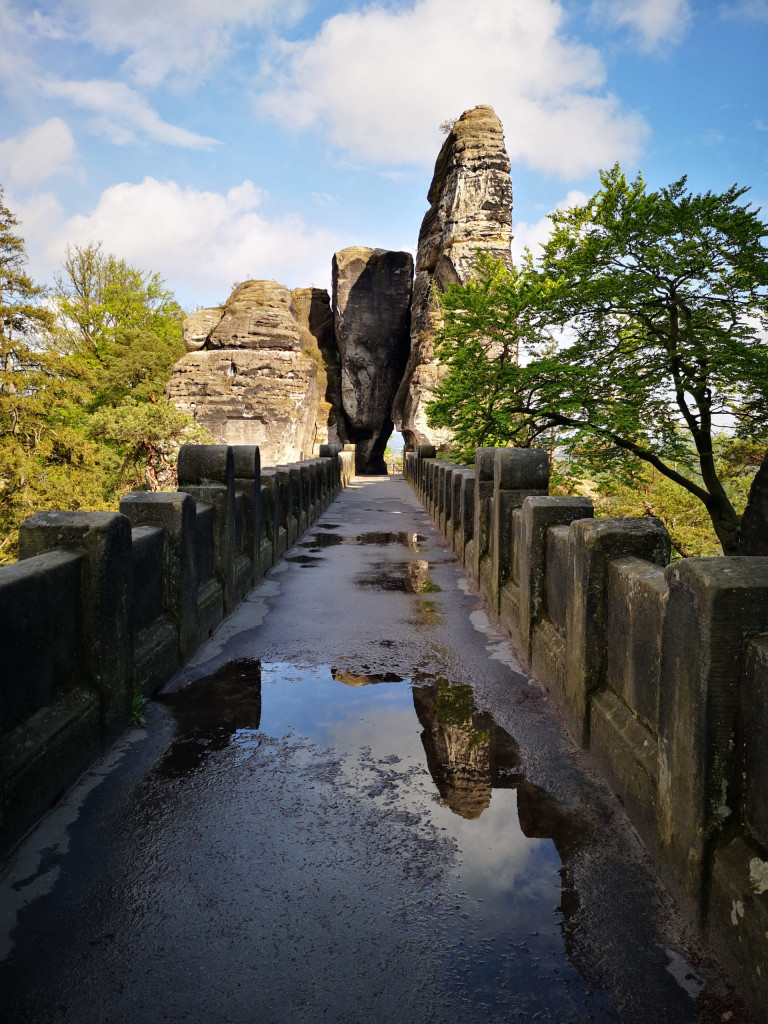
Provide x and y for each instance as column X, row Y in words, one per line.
column 471, row 209
column 372, row 317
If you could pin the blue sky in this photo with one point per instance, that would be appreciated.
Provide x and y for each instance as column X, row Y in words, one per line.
column 252, row 138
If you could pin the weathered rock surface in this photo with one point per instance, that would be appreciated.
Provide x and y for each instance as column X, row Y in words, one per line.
column 471, row 209
column 254, row 374
column 258, row 314
column 313, row 307
column 197, row 328
column 372, row 313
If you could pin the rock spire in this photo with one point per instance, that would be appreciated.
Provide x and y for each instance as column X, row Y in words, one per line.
column 470, row 208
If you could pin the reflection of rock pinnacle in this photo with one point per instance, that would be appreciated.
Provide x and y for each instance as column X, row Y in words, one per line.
column 458, row 746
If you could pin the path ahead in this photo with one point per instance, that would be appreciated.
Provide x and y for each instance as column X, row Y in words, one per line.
column 350, row 808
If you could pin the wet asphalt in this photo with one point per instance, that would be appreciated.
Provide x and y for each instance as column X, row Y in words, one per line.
column 351, row 806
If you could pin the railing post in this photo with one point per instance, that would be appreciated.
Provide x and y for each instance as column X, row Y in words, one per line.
column 104, row 540
column 175, row 513
column 207, row 472
column 592, row 544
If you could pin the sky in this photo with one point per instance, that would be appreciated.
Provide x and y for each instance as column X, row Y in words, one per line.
column 215, row 142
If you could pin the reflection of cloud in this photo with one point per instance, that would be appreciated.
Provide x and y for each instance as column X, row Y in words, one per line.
column 376, row 731
column 495, row 853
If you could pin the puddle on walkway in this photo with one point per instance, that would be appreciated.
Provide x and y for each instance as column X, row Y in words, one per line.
column 415, row 793
column 413, row 541
column 405, row 577
column 305, row 561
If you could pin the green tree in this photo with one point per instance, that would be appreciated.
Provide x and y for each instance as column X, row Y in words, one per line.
column 36, row 445
column 486, row 325
column 123, row 336
column 661, row 297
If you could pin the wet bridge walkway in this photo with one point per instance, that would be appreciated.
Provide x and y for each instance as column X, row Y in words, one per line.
column 351, row 807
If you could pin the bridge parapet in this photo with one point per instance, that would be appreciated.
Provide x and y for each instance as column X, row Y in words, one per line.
column 660, row 670
column 103, row 604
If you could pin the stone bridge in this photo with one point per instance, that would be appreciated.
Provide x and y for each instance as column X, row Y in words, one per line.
column 274, row 846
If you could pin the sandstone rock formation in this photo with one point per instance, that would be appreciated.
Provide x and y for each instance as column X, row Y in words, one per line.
column 471, row 208
column 313, row 307
column 371, row 303
column 253, row 373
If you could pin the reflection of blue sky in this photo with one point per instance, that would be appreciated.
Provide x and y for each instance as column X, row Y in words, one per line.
column 490, row 909
column 502, row 874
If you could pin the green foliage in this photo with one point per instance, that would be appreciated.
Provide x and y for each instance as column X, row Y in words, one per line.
column 83, row 416
column 138, row 706
column 650, row 493
column 661, row 298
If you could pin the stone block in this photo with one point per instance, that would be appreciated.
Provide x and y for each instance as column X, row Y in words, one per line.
column 556, row 576
column 220, row 534
column 467, row 512
column 454, row 527
column 104, row 541
column 628, row 754
column 592, row 544
column 637, row 599
column 714, row 606
column 147, row 605
column 175, row 513
column 299, row 499
column 737, row 918
column 755, row 727
column 484, row 458
column 43, row 757
column 549, row 658
column 247, row 481
column 537, row 516
column 288, row 519
column 517, row 474
column 206, row 464
column 155, row 655
column 41, row 624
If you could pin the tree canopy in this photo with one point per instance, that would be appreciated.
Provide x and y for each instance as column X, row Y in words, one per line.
column 83, row 416
column 640, row 334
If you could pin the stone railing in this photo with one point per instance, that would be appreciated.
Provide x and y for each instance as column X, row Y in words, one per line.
column 660, row 670
column 101, row 604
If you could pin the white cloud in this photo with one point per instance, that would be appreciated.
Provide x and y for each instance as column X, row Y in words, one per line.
column 201, row 242
column 39, row 153
column 123, row 114
column 756, row 10
column 531, row 236
column 378, row 82
column 653, row 22
column 172, row 37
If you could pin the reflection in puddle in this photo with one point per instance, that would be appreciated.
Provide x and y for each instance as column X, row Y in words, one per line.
column 487, row 853
column 412, row 541
column 303, row 560
column 406, row 577
column 209, row 713
column 353, row 679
